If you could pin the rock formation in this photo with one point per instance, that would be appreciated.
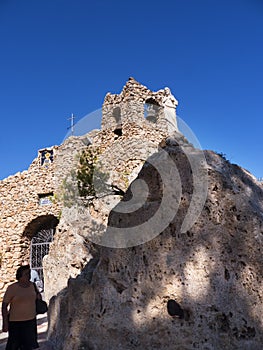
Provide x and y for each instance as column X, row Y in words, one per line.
column 109, row 276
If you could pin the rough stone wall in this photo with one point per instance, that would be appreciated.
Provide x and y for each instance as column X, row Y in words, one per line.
column 118, row 299
column 133, row 105
column 67, row 155
column 21, row 212
column 19, row 195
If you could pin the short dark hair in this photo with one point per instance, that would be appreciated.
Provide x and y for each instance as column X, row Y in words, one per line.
column 20, row 270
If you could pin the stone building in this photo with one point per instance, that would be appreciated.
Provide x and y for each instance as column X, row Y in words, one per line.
column 30, row 206
column 29, row 216
column 137, row 105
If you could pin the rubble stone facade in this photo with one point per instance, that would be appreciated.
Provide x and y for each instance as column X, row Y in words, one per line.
column 27, row 206
column 30, row 201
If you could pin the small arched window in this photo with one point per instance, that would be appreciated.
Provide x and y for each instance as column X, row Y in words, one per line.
column 117, row 114
column 151, row 110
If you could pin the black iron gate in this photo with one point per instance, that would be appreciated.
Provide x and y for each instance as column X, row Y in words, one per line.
column 39, row 248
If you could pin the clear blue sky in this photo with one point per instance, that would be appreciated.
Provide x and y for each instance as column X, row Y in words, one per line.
column 62, row 56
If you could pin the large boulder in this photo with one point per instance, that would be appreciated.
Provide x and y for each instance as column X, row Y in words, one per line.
column 116, row 298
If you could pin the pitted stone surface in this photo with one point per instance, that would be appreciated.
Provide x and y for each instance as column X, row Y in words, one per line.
column 214, row 271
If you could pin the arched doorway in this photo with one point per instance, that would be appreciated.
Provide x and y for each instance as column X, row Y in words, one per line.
column 39, row 247
column 40, row 233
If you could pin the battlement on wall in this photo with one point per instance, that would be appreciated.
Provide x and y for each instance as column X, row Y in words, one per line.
column 138, row 105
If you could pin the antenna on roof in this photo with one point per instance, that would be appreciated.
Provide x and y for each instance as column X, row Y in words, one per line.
column 71, row 127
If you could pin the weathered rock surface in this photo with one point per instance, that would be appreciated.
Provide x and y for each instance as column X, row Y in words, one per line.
column 117, row 298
